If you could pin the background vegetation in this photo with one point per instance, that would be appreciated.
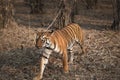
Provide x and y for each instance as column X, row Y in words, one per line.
column 20, row 19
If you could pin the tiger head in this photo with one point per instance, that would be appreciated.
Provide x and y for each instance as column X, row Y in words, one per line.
column 43, row 39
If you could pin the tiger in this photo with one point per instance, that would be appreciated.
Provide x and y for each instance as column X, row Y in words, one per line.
column 60, row 41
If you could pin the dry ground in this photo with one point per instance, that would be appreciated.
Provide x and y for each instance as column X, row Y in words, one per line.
column 19, row 59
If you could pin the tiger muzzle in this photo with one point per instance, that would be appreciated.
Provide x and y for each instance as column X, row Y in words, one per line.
column 37, row 46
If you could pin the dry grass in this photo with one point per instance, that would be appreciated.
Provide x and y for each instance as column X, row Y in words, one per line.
column 16, row 37
column 19, row 59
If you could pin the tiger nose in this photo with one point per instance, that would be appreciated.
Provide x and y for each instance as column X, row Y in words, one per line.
column 37, row 46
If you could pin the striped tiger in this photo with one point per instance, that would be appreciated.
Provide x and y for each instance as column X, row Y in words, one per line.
column 59, row 41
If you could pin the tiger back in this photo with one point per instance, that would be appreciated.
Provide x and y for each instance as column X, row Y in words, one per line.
column 62, row 39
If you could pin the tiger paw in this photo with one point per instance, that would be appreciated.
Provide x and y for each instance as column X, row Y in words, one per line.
column 66, row 71
column 70, row 62
column 37, row 78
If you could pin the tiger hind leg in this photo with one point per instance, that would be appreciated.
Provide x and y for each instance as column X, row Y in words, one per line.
column 82, row 47
column 71, row 56
column 65, row 61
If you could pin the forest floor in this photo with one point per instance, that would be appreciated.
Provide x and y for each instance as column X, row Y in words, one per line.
column 19, row 59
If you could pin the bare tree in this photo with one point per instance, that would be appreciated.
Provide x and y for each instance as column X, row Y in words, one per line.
column 36, row 6
column 116, row 15
column 69, row 9
column 7, row 11
column 90, row 3
column 68, row 12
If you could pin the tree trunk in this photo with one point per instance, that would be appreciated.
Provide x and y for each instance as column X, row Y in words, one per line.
column 36, row 6
column 7, row 12
column 68, row 11
column 90, row 3
column 116, row 15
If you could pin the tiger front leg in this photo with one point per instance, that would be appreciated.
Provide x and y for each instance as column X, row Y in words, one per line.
column 43, row 63
column 42, row 67
column 71, row 58
column 65, row 61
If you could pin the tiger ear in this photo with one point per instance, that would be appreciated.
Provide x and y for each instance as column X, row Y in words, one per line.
column 36, row 31
column 51, row 31
column 42, row 31
column 39, row 32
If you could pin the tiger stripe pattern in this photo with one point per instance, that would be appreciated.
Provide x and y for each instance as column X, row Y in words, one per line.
column 59, row 41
